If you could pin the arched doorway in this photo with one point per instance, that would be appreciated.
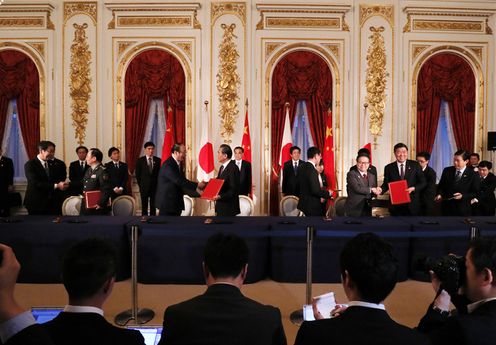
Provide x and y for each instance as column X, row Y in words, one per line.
column 154, row 79
column 303, row 80
column 446, row 99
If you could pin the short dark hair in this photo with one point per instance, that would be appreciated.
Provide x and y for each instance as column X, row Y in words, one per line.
column 239, row 148
column 464, row 154
column 424, row 154
column 111, row 150
column 226, row 149
column 486, row 164
column 94, row 152
column 176, row 147
column 363, row 154
column 45, row 144
column 225, row 255
column 321, row 162
column 484, row 254
column 312, row 151
column 363, row 150
column 81, row 147
column 292, row 148
column 475, row 154
column 87, row 266
column 371, row 265
column 399, row 146
column 148, row 143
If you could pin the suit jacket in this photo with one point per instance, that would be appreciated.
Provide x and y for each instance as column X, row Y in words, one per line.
column 358, row 190
column 97, row 179
column 76, row 175
column 39, row 191
column 33, row 335
column 228, row 204
column 310, row 191
column 222, row 315
column 358, row 326
column 428, row 194
column 58, row 173
column 245, row 182
column 485, row 196
column 414, row 178
column 468, row 186
column 147, row 182
column 371, row 169
column 6, row 180
column 290, row 185
column 89, row 328
column 476, row 328
column 117, row 176
column 172, row 185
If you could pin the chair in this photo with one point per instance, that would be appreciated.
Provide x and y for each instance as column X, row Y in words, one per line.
column 339, row 205
column 123, row 205
column 72, row 206
column 245, row 205
column 189, row 206
column 288, row 206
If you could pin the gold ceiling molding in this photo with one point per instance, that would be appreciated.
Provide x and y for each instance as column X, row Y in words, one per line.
column 418, row 49
column 228, row 82
column 448, row 25
column 72, row 9
column 14, row 15
column 270, row 47
column 220, row 8
column 122, row 46
column 368, row 11
column 39, row 47
column 186, row 47
column 80, row 81
column 22, row 22
column 295, row 22
column 154, row 21
column 376, row 80
column 334, row 48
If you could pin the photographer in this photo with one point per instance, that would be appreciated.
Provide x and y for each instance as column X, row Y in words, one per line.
column 474, row 322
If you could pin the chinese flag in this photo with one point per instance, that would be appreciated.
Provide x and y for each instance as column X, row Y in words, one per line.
column 168, row 137
column 328, row 154
column 246, row 141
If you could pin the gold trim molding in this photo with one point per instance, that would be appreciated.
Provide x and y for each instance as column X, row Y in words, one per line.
column 448, row 25
column 186, row 47
column 72, row 9
column 270, row 47
column 334, row 48
column 154, row 21
column 477, row 51
column 39, row 47
column 122, row 46
column 418, row 49
column 368, row 11
column 218, row 9
column 15, row 16
column 295, row 22
column 22, row 22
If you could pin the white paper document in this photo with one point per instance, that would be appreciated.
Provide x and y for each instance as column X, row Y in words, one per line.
column 325, row 304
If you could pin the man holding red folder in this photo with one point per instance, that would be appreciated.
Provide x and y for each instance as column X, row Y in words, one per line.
column 227, row 201
column 96, row 179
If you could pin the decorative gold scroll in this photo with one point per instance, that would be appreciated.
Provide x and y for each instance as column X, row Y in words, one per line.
column 39, row 47
column 31, row 22
column 367, row 11
column 74, row 8
column 376, row 80
column 270, row 47
column 418, row 49
column 123, row 45
column 154, row 21
column 448, row 25
column 236, row 8
column 80, row 81
column 294, row 22
column 186, row 47
column 228, row 81
column 334, row 48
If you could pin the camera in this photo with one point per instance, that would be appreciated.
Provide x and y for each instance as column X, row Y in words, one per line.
column 449, row 269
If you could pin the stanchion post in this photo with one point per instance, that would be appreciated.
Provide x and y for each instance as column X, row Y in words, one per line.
column 140, row 316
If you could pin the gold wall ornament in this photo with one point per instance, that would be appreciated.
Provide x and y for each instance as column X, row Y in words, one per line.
column 334, row 48
column 477, row 51
column 367, row 11
column 20, row 22
column 295, row 22
column 186, row 47
column 154, row 21
column 408, row 24
column 376, row 80
column 122, row 46
column 39, row 47
column 489, row 31
column 80, row 81
column 74, row 8
column 228, row 81
column 111, row 24
column 220, row 8
column 448, row 25
column 418, row 49
column 344, row 25
column 270, row 47
column 196, row 23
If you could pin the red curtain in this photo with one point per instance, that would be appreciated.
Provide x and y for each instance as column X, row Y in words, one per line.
column 446, row 77
column 299, row 76
column 152, row 74
column 20, row 81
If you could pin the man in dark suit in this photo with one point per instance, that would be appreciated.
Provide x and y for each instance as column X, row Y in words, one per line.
column 245, row 182
column 311, row 195
column 6, row 183
column 88, row 275
column 96, row 178
column 222, row 315
column 428, row 194
column 290, row 184
column 361, row 186
column 172, row 184
column 371, row 169
column 369, row 272
column 117, row 172
column 474, row 161
column 458, row 186
column 227, row 201
column 475, row 323
column 484, row 204
column 39, row 196
column 409, row 170
column 324, row 185
column 58, row 173
column 147, row 168
column 77, row 169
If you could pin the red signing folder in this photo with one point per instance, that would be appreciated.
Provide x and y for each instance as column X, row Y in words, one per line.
column 92, row 197
column 398, row 193
column 212, row 189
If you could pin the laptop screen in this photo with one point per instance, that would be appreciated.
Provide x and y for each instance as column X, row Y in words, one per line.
column 42, row 315
column 150, row 333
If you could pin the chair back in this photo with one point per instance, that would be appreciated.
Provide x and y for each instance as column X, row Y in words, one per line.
column 288, row 206
column 189, row 206
column 339, row 205
column 245, row 206
column 72, row 206
column 123, row 205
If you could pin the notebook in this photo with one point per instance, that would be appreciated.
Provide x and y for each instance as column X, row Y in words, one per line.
column 151, row 334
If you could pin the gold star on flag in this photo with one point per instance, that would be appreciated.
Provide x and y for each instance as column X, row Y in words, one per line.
column 328, row 132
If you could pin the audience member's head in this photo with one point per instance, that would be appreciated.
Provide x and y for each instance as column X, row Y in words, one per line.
column 114, row 154
column 238, row 153
column 178, row 151
column 149, row 148
column 363, row 162
column 46, row 150
column 81, row 152
column 363, row 150
column 423, row 158
column 224, row 153
column 295, row 152
column 225, row 258
column 484, row 168
column 94, row 156
column 460, row 159
column 474, row 159
column 369, row 268
column 88, row 270
column 481, row 269
column 314, row 155
column 320, row 166
column 401, row 152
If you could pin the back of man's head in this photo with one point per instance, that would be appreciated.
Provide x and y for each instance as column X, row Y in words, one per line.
column 225, row 255
column 87, row 266
column 484, row 255
column 371, row 265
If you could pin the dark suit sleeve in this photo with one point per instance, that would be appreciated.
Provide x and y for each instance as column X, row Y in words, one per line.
column 32, row 335
column 420, row 182
column 387, row 179
column 233, row 182
column 105, row 188
column 279, row 337
column 125, row 175
column 138, row 171
column 33, row 178
column 315, row 186
column 487, row 194
column 439, row 328
column 248, row 177
column 304, row 335
column 285, row 173
column 473, row 189
column 354, row 185
column 177, row 178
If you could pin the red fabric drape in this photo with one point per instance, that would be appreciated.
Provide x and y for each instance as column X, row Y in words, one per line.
column 20, row 80
column 152, row 74
column 447, row 77
column 300, row 75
